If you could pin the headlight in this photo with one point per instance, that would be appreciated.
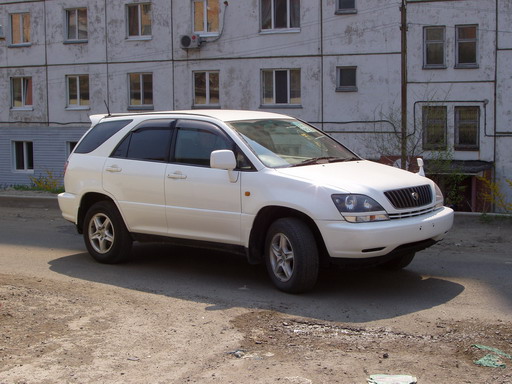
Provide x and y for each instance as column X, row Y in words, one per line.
column 439, row 197
column 359, row 208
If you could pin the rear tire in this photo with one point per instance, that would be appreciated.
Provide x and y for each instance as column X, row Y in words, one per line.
column 399, row 262
column 291, row 255
column 105, row 234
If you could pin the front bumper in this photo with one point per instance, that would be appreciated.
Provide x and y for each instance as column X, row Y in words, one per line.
column 366, row 240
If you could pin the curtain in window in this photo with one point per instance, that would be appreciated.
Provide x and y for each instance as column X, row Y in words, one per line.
column 214, row 88
column 266, row 14
column 294, row 13
column 27, row 90
column 146, row 20
column 133, row 20
column 84, row 89
column 82, row 24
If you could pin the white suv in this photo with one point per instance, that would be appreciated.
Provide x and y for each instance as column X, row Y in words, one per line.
column 266, row 185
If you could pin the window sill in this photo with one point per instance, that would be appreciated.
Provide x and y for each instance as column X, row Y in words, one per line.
column 81, row 41
column 29, row 108
column 346, row 89
column 25, row 171
column 21, row 45
column 279, row 31
column 141, row 107
column 139, row 38
column 466, row 149
column 206, row 106
column 435, row 67
column 78, row 108
column 281, row 106
column 345, row 11
column 466, row 66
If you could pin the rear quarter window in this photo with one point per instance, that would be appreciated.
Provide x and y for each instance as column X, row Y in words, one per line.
column 100, row 133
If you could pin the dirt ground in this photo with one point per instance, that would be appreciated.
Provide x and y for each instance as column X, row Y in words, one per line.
column 77, row 331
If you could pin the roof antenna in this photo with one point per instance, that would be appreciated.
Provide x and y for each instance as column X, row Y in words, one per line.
column 108, row 110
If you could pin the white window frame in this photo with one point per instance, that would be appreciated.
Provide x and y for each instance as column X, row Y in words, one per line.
column 79, row 91
column 207, row 90
column 204, row 31
column 24, row 90
column 139, row 35
column 426, row 43
column 459, row 40
column 273, row 28
column 76, row 12
column 274, row 103
column 142, row 91
column 341, row 10
column 23, row 42
column 345, row 88
column 26, row 160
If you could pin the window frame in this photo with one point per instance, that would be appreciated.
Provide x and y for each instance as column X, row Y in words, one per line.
column 77, row 39
column 346, row 88
column 426, row 44
column 24, row 96
column 25, row 41
column 78, row 105
column 340, row 10
column 140, row 28
column 208, row 93
column 425, row 119
column 289, row 89
column 27, row 154
column 273, row 21
column 204, row 31
column 466, row 147
column 458, row 41
column 142, row 92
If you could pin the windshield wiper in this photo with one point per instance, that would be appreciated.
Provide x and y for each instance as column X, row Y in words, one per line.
column 324, row 160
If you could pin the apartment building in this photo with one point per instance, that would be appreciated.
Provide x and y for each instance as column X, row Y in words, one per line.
column 334, row 63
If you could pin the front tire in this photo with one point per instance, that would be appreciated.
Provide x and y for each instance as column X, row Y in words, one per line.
column 105, row 234
column 291, row 255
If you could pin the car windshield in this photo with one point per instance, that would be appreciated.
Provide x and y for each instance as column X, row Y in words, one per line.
column 282, row 143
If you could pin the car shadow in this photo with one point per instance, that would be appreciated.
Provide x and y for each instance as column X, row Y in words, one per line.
column 223, row 281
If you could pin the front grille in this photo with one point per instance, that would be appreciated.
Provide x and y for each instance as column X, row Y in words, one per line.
column 410, row 197
column 405, row 215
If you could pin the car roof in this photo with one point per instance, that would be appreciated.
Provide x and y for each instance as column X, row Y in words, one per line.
column 219, row 114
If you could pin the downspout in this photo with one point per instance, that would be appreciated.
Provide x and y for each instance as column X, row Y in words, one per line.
column 495, row 92
column 322, row 65
column 106, row 59
column 403, row 54
column 46, row 66
column 172, row 59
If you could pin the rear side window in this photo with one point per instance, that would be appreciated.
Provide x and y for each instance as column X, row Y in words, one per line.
column 99, row 134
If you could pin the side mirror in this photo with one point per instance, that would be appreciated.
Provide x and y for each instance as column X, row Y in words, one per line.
column 224, row 159
column 421, row 171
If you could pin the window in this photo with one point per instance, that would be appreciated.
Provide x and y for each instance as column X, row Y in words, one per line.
column 206, row 16
column 77, row 91
column 70, row 146
column 466, row 46
column 433, row 45
column 23, row 155
column 141, row 90
column 21, row 93
column 194, row 146
column 346, row 79
column 206, row 88
column 76, row 24
column 20, row 29
column 281, row 86
column 467, row 127
column 345, row 6
column 434, row 127
column 280, row 14
column 139, row 20
column 99, row 134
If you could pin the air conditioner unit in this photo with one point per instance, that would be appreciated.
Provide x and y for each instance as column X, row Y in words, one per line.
column 190, row 41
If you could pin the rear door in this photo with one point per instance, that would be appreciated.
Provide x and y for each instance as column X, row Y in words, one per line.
column 201, row 202
column 134, row 174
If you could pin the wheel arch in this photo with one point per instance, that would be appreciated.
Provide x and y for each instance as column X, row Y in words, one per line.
column 265, row 217
column 88, row 200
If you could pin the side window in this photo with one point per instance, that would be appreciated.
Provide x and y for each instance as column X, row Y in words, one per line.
column 149, row 141
column 194, row 145
column 100, row 133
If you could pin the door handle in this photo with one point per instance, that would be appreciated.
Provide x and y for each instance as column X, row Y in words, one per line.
column 113, row 168
column 177, row 175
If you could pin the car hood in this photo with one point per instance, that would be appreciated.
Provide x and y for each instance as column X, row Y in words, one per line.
column 360, row 176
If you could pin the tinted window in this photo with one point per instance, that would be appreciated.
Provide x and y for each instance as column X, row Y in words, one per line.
column 194, row 146
column 99, row 134
column 149, row 144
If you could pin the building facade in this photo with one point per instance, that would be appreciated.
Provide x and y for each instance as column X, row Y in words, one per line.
column 334, row 63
